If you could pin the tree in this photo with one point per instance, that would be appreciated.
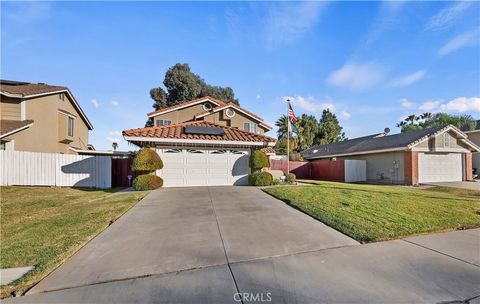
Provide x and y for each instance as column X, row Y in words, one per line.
column 258, row 160
column 329, row 129
column 428, row 120
column 114, row 146
column 307, row 131
column 281, row 146
column 282, row 124
column 183, row 85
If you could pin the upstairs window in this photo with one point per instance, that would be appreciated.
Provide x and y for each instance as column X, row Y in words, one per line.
column 250, row 127
column 61, row 96
column 70, row 126
column 163, row 122
column 446, row 140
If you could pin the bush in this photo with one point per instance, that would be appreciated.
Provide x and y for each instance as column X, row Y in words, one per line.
column 147, row 182
column 260, row 179
column 276, row 182
column 290, row 178
column 258, row 160
column 147, row 160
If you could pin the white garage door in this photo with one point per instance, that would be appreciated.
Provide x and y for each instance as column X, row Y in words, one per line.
column 203, row 167
column 440, row 167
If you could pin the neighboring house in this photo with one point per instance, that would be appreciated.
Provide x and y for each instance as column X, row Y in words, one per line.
column 429, row 155
column 203, row 142
column 272, row 154
column 474, row 136
column 38, row 117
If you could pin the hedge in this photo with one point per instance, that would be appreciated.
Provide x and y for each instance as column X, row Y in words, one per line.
column 258, row 160
column 147, row 182
column 260, row 179
column 147, row 160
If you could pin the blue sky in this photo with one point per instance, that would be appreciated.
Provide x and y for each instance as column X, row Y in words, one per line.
column 372, row 63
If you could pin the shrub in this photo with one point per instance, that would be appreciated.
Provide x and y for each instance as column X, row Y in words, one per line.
column 290, row 178
column 258, row 160
column 147, row 160
column 276, row 182
column 147, row 182
column 260, row 179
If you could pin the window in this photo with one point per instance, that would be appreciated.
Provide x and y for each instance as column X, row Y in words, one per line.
column 230, row 112
column 207, row 106
column 70, row 126
column 62, row 96
column 250, row 127
column 3, row 145
column 446, row 140
column 163, row 122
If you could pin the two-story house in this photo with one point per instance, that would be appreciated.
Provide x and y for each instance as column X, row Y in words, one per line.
column 38, row 117
column 203, row 142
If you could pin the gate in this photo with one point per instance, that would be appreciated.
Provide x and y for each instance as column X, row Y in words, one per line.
column 121, row 169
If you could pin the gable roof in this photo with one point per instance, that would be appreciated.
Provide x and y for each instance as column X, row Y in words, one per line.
column 17, row 89
column 186, row 104
column 176, row 134
column 8, row 127
column 378, row 143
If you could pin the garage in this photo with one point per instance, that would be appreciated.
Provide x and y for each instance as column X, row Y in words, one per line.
column 440, row 167
column 191, row 166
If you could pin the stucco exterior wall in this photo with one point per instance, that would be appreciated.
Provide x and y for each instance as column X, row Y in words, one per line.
column 43, row 135
column 475, row 138
column 390, row 165
column 10, row 108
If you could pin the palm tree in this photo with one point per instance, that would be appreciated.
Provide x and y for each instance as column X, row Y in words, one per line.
column 282, row 124
column 114, row 146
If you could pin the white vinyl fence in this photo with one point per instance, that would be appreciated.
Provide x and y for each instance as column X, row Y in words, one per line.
column 51, row 169
column 355, row 170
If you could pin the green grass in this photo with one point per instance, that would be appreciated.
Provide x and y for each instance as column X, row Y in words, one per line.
column 44, row 226
column 370, row 213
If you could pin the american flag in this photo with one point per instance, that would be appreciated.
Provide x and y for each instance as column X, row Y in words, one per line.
column 291, row 114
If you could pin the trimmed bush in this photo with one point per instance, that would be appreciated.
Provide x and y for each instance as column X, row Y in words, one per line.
column 147, row 160
column 260, row 179
column 290, row 178
column 258, row 160
column 147, row 182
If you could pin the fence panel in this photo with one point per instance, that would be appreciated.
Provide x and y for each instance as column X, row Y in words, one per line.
column 51, row 169
column 300, row 169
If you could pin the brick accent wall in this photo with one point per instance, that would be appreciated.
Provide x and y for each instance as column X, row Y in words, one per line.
column 410, row 162
column 468, row 166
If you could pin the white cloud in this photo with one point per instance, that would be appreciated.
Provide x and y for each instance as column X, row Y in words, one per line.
column 408, row 79
column 356, row 76
column 429, row 105
column 114, row 103
column 345, row 115
column 447, row 15
column 385, row 20
column 258, row 96
column 27, row 12
column 460, row 41
column 407, row 103
column 114, row 136
column 310, row 104
column 459, row 104
column 462, row 104
column 95, row 103
column 287, row 22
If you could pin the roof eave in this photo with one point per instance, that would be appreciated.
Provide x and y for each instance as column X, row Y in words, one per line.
column 356, row 153
column 16, row 130
column 199, row 141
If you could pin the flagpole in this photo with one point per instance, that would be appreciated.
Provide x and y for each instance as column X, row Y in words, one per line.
column 288, row 137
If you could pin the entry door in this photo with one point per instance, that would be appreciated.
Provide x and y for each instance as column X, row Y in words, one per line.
column 440, row 167
column 203, row 167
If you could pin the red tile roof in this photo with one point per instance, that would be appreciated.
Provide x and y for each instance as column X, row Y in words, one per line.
column 177, row 132
column 7, row 126
column 163, row 109
column 30, row 89
column 268, row 150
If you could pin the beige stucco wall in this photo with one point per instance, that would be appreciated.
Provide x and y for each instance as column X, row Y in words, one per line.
column 43, row 135
column 475, row 138
column 383, row 163
column 10, row 108
column 187, row 114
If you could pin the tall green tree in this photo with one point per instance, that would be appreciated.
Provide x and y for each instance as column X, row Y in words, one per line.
column 329, row 129
column 282, row 124
column 428, row 120
column 307, row 126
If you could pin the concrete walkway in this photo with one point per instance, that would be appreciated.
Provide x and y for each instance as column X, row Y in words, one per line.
column 462, row 185
column 206, row 244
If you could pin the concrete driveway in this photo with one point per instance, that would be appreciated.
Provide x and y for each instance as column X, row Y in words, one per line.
column 207, row 244
column 462, row 185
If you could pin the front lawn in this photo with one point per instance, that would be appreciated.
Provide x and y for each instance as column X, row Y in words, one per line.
column 373, row 213
column 44, row 226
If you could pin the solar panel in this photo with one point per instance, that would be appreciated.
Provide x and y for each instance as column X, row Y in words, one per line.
column 204, row 130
